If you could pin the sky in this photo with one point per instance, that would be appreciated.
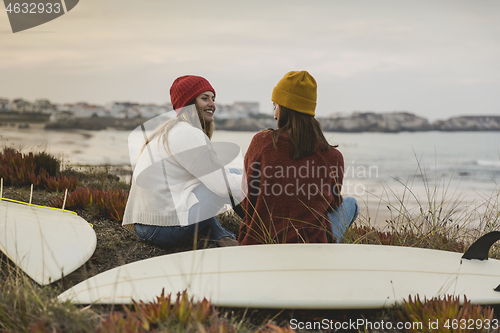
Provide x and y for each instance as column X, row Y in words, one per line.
column 433, row 58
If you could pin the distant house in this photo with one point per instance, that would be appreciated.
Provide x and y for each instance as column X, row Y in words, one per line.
column 246, row 108
column 122, row 109
column 4, row 105
column 224, row 111
column 153, row 110
column 82, row 110
column 63, row 107
column 134, row 110
column 237, row 110
column 43, row 106
column 21, row 105
column 60, row 115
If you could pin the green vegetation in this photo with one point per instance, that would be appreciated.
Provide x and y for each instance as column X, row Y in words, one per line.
column 109, row 203
column 446, row 315
column 100, row 197
column 39, row 169
column 443, row 221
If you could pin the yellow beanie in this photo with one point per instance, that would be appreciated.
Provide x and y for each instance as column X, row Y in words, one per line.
column 296, row 91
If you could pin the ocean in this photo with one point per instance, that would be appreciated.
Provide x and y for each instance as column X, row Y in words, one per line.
column 467, row 161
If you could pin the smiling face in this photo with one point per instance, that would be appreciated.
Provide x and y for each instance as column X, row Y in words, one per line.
column 206, row 106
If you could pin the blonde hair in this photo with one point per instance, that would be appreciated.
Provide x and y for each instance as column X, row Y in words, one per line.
column 187, row 115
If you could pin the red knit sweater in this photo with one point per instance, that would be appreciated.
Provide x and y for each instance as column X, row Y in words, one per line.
column 287, row 200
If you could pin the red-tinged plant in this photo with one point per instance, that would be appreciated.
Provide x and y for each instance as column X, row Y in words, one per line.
column 182, row 308
column 203, row 311
column 164, row 312
column 446, row 315
column 157, row 312
column 60, row 183
column 117, row 322
column 19, row 169
column 114, row 201
column 110, row 203
column 35, row 179
column 14, row 167
column 81, row 198
column 435, row 240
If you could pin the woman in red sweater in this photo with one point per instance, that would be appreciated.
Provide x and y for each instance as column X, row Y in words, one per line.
column 293, row 175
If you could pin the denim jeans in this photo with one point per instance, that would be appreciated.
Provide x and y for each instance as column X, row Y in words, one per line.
column 342, row 217
column 209, row 204
column 175, row 235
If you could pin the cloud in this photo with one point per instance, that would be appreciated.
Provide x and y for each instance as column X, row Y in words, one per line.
column 246, row 47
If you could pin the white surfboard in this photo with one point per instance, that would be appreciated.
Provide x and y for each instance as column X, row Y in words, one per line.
column 45, row 243
column 304, row 276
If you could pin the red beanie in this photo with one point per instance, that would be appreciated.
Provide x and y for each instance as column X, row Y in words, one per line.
column 186, row 88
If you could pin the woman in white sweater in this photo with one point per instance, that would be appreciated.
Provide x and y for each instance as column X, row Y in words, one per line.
column 179, row 184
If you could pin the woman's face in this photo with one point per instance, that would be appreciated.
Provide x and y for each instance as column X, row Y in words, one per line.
column 206, row 106
column 276, row 111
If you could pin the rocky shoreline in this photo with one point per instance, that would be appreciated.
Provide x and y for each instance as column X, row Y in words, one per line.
column 406, row 122
column 95, row 123
column 390, row 122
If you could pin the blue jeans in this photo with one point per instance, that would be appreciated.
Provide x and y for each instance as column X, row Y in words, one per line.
column 209, row 204
column 176, row 235
column 342, row 217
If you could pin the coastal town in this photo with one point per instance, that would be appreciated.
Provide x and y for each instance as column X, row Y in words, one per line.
column 238, row 116
column 122, row 110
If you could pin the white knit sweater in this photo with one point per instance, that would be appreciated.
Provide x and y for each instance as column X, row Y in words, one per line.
column 163, row 182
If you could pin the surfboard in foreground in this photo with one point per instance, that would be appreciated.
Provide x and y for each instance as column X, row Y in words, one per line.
column 305, row 276
column 45, row 243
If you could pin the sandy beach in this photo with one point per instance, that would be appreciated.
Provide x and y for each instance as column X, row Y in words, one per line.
column 383, row 205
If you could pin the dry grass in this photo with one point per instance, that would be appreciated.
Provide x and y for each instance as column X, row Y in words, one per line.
column 440, row 222
column 24, row 304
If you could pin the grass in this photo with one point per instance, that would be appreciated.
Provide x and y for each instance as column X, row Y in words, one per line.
column 439, row 222
column 442, row 221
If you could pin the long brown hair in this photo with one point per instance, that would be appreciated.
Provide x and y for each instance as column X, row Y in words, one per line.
column 304, row 130
column 187, row 115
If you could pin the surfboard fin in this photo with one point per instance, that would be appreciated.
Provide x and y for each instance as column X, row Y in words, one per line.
column 481, row 247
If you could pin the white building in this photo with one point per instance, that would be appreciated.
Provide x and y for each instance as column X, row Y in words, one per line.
column 153, row 110
column 83, row 110
column 237, row 110
column 248, row 108
column 4, row 105
column 21, row 105
column 60, row 115
column 224, row 111
column 133, row 110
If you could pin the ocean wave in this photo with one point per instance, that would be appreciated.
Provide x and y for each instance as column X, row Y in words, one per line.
column 488, row 163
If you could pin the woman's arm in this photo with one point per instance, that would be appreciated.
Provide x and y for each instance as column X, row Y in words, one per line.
column 192, row 150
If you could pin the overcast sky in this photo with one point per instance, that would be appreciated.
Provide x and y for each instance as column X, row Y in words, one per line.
column 433, row 58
